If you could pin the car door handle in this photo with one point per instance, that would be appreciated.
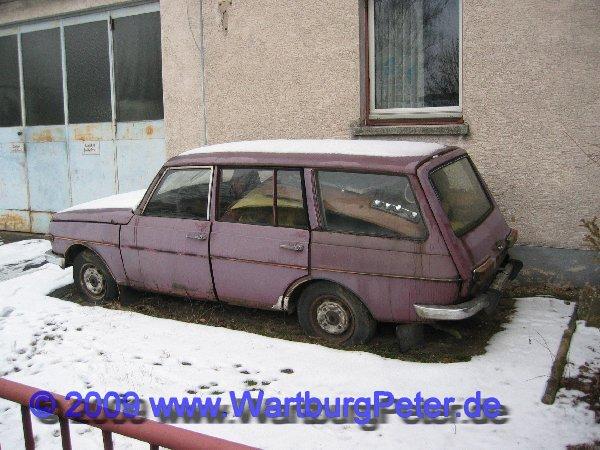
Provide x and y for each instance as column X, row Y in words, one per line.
column 197, row 236
column 294, row 247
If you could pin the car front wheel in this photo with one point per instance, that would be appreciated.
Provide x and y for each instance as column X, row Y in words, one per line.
column 329, row 312
column 93, row 279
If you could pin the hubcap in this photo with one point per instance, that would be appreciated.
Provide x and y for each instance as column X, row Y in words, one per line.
column 93, row 280
column 332, row 318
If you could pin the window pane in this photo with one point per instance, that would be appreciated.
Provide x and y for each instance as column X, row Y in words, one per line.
column 138, row 67
column 42, row 77
column 290, row 201
column 10, row 102
column 361, row 203
column 416, row 53
column 461, row 195
column 246, row 196
column 182, row 194
column 88, row 72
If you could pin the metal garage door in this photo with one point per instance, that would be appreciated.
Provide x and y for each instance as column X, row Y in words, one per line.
column 81, row 112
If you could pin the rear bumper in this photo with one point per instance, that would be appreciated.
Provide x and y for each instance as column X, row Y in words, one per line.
column 487, row 299
column 54, row 258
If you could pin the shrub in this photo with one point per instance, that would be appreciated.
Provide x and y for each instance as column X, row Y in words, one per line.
column 592, row 238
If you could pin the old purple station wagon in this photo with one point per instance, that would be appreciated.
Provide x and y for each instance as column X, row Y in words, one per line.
column 347, row 233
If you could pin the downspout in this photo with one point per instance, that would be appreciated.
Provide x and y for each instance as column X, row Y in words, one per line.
column 203, row 76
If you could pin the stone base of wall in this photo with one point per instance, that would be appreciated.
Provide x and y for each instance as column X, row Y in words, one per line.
column 557, row 266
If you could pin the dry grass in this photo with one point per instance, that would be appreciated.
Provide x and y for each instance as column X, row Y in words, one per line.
column 451, row 342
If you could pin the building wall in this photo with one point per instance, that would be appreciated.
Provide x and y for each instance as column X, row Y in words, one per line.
column 530, row 94
column 282, row 69
column 292, row 69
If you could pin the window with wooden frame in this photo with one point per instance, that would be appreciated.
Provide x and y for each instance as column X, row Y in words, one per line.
column 413, row 60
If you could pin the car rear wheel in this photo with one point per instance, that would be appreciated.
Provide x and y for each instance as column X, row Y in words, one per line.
column 93, row 279
column 329, row 312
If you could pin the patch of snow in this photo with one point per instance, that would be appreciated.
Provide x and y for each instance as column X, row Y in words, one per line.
column 324, row 146
column 127, row 200
column 22, row 256
column 583, row 351
column 61, row 346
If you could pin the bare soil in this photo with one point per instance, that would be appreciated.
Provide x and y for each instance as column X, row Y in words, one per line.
column 446, row 342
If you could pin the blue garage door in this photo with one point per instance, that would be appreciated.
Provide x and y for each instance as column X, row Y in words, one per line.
column 81, row 112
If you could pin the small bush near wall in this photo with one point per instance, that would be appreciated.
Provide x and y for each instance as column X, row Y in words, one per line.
column 589, row 303
column 592, row 238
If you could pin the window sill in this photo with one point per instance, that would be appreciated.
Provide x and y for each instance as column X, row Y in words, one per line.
column 453, row 129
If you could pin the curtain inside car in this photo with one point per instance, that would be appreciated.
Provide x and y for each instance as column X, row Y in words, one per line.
column 399, row 54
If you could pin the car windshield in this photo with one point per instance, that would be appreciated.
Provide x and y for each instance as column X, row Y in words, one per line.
column 461, row 194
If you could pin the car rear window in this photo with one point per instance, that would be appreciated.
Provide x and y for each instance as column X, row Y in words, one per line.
column 370, row 204
column 463, row 198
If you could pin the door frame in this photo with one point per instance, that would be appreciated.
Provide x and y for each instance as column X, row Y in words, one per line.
column 308, row 205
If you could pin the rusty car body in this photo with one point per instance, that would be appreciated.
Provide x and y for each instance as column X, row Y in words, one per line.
column 348, row 233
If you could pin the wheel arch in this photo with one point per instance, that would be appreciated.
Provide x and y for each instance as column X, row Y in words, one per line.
column 75, row 249
column 294, row 291
column 72, row 252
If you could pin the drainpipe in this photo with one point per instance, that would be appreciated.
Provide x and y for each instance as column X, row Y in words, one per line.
column 203, row 75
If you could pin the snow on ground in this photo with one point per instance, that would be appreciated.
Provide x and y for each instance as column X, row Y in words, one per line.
column 22, row 256
column 61, row 346
column 584, row 350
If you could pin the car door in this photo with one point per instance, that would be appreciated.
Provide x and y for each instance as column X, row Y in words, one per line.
column 259, row 240
column 172, row 234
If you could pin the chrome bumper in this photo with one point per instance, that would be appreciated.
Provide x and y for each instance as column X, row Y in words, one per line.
column 54, row 258
column 467, row 309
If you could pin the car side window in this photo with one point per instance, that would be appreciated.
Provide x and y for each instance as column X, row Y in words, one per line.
column 370, row 204
column 252, row 196
column 291, row 212
column 182, row 194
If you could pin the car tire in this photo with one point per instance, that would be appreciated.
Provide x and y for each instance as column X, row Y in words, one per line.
column 329, row 312
column 93, row 279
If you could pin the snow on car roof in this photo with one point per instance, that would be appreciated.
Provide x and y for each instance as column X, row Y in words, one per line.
column 392, row 149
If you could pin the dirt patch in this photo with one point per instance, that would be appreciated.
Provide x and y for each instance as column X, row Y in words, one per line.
column 451, row 342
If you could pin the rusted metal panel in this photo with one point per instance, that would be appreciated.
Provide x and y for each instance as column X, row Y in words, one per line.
column 48, row 174
column 40, row 221
column 90, row 132
column 47, row 168
column 13, row 176
column 92, row 165
column 138, row 161
column 241, row 254
column 14, row 220
column 149, row 129
column 45, row 133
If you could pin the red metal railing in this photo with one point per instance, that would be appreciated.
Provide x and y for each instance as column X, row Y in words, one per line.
column 154, row 433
